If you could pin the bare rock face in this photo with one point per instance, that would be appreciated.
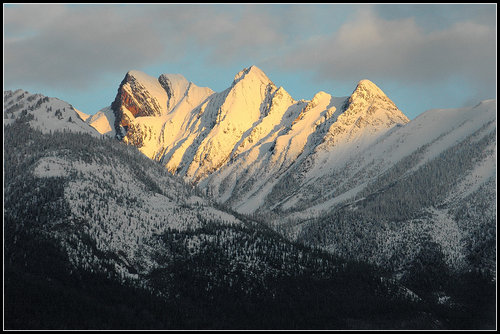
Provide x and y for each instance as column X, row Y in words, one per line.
column 135, row 99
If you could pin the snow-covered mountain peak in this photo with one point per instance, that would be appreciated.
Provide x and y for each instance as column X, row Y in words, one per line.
column 368, row 84
column 174, row 84
column 140, row 78
column 177, row 87
column 368, row 87
column 137, row 74
column 253, row 130
column 252, row 73
column 368, row 99
column 141, row 95
column 320, row 96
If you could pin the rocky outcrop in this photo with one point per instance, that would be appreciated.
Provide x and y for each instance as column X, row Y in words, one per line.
column 134, row 100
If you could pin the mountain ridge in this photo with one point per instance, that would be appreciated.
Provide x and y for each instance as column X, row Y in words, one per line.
column 250, row 117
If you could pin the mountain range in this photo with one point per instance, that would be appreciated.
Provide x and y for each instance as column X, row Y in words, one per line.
column 224, row 142
column 235, row 191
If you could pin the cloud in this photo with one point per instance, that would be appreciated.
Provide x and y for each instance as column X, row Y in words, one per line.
column 254, row 32
column 71, row 46
column 76, row 45
column 399, row 50
column 26, row 18
column 224, row 32
column 438, row 16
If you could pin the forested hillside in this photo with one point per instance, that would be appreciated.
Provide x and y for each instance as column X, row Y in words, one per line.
column 81, row 253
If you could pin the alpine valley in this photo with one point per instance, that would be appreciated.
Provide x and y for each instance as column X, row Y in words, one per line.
column 177, row 207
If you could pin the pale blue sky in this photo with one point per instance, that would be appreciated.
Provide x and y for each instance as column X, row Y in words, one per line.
column 421, row 56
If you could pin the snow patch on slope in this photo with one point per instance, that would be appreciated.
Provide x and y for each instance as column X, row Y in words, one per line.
column 103, row 121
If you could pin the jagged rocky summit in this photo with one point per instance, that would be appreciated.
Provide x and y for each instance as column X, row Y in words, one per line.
column 233, row 142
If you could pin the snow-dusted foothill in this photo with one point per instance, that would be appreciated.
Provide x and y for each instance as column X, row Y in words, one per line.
column 47, row 114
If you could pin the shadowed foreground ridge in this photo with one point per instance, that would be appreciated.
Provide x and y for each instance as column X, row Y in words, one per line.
column 239, row 276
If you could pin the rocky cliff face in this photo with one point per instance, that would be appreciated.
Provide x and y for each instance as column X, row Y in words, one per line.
column 143, row 102
column 136, row 98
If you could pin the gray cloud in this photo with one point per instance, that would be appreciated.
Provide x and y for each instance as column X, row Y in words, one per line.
column 225, row 32
column 400, row 50
column 26, row 18
column 438, row 16
column 71, row 46
column 74, row 45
